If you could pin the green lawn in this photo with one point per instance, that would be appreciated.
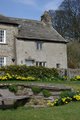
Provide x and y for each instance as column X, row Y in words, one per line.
column 74, row 84
column 70, row 111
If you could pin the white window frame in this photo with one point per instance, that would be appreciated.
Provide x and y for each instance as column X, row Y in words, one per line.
column 29, row 61
column 4, row 63
column 39, row 45
column 4, row 38
column 41, row 63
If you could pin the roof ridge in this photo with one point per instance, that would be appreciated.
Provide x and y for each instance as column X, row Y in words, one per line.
column 20, row 19
column 23, row 19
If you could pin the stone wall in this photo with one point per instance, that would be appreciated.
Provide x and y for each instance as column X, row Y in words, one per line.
column 73, row 72
column 8, row 49
column 25, row 94
column 51, row 53
column 69, row 72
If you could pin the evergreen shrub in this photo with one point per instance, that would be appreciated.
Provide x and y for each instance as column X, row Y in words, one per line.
column 25, row 71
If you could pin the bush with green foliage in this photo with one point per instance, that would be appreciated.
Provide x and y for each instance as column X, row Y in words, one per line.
column 65, row 98
column 73, row 54
column 25, row 71
column 36, row 89
column 46, row 93
column 67, row 94
column 13, row 88
column 76, row 78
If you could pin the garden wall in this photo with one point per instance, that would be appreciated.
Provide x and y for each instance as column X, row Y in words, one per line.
column 69, row 72
column 73, row 72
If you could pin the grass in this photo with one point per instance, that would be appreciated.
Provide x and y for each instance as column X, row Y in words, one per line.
column 70, row 111
column 73, row 84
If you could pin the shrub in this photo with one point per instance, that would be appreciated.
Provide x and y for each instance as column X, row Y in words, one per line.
column 76, row 78
column 67, row 94
column 76, row 97
column 46, row 93
column 36, row 89
column 13, row 88
column 65, row 99
column 62, row 101
column 73, row 54
column 25, row 71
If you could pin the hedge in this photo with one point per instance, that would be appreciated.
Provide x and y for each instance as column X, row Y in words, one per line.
column 25, row 71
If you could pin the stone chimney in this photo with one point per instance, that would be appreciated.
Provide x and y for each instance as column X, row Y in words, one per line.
column 46, row 19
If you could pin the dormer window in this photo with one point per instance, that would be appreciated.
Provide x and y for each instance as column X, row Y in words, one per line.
column 2, row 36
column 39, row 45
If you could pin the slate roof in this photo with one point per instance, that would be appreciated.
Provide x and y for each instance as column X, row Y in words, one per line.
column 34, row 30
column 6, row 20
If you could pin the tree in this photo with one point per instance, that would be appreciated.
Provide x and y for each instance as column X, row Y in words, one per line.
column 66, row 20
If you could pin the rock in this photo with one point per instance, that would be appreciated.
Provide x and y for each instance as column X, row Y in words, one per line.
column 51, row 98
column 24, row 91
column 29, row 91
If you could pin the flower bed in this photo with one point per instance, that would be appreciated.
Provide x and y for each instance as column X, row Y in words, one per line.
column 64, row 100
column 7, row 76
column 76, row 78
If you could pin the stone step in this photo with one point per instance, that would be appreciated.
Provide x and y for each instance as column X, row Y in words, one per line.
column 55, row 93
column 6, row 93
column 48, row 87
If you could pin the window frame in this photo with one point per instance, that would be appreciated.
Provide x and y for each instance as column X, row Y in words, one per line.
column 58, row 65
column 3, row 61
column 29, row 60
column 3, row 37
column 41, row 63
column 39, row 45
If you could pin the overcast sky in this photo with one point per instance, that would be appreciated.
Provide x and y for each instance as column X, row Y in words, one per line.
column 30, row 9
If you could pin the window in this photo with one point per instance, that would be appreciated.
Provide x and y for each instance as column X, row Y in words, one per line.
column 57, row 65
column 2, row 36
column 29, row 62
column 2, row 61
column 39, row 45
column 38, row 63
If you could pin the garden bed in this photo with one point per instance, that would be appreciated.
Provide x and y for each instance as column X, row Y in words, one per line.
column 38, row 94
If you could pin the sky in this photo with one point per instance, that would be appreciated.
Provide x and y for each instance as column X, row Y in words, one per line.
column 29, row 9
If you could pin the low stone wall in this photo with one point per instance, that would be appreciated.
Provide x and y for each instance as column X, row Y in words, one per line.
column 69, row 72
column 26, row 96
column 62, row 72
column 73, row 72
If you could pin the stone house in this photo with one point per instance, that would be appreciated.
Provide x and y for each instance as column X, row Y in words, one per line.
column 31, row 42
